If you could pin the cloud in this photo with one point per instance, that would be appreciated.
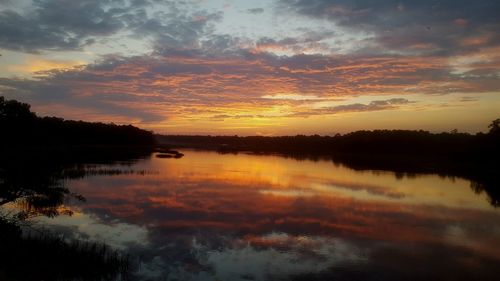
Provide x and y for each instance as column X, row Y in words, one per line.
column 376, row 105
column 255, row 11
column 309, row 42
column 24, row 34
column 62, row 99
column 294, row 97
column 372, row 106
column 468, row 99
column 59, row 25
column 176, row 29
column 190, row 62
column 202, row 83
column 425, row 27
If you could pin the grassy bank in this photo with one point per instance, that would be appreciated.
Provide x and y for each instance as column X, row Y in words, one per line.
column 44, row 256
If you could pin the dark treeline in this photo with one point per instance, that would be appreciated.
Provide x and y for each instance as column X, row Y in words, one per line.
column 20, row 126
column 378, row 142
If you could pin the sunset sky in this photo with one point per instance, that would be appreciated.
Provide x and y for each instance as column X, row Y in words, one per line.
column 256, row 67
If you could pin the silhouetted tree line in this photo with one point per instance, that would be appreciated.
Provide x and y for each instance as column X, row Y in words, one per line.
column 20, row 126
column 377, row 142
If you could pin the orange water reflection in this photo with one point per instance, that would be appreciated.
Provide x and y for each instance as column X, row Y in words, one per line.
column 241, row 205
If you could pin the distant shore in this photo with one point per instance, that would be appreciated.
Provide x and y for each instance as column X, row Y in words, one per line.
column 474, row 157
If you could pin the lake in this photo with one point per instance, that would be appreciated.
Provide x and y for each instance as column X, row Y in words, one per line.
column 211, row 216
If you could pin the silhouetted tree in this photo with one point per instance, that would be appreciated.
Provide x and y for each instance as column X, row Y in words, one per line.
column 12, row 110
column 495, row 126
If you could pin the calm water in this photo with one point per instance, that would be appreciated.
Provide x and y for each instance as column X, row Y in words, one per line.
column 209, row 216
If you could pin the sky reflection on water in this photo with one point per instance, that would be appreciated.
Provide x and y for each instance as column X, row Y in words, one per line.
column 209, row 216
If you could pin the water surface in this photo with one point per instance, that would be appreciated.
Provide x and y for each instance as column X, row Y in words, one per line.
column 210, row 216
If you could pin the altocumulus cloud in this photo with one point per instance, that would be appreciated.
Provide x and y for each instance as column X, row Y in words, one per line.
column 72, row 25
column 376, row 105
column 255, row 11
column 58, row 25
column 148, row 87
column 410, row 47
column 427, row 26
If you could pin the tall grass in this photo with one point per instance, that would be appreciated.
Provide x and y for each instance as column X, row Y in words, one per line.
column 45, row 256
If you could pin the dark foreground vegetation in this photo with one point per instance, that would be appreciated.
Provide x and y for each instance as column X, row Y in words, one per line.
column 38, row 155
column 32, row 184
column 475, row 157
column 44, row 256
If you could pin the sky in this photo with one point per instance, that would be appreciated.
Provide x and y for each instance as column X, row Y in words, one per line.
column 261, row 67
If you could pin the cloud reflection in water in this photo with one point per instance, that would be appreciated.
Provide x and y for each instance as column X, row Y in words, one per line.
column 248, row 217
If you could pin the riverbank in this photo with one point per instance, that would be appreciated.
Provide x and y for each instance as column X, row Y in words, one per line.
column 473, row 157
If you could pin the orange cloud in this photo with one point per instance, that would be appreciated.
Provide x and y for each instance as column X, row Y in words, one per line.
column 156, row 92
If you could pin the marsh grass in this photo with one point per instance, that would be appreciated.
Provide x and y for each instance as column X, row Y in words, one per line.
column 41, row 255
